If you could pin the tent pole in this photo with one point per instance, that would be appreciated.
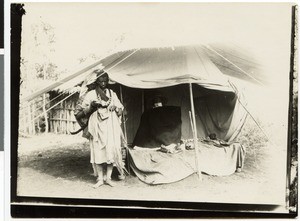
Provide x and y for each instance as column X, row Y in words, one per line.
column 143, row 101
column 195, row 132
column 121, row 96
column 125, row 131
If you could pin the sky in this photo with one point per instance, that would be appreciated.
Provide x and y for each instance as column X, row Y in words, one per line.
column 84, row 28
column 263, row 30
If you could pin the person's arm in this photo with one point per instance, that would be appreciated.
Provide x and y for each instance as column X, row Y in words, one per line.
column 116, row 104
column 85, row 107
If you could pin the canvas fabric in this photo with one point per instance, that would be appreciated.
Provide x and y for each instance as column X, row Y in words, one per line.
column 155, row 167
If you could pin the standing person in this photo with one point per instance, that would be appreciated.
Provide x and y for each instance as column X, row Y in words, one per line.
column 104, row 109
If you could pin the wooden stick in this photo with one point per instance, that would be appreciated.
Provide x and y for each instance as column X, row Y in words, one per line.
column 125, row 131
column 195, row 133
column 45, row 114
column 143, row 101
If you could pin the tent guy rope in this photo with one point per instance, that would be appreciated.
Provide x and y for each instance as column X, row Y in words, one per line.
column 62, row 81
column 77, row 75
column 244, row 72
column 54, row 106
column 248, row 112
column 23, row 107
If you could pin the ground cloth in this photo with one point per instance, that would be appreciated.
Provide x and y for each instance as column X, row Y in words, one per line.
column 155, row 167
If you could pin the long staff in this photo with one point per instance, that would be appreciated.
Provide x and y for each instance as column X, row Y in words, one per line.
column 194, row 128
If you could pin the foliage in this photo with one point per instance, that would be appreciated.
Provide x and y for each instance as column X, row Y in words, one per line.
column 46, row 71
column 37, row 70
column 253, row 139
column 36, row 64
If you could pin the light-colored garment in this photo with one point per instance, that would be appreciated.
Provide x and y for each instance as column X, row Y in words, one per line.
column 105, row 139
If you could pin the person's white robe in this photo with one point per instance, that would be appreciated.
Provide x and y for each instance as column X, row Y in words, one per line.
column 105, row 139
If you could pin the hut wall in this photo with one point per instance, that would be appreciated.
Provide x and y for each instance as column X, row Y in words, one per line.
column 61, row 117
column 30, row 122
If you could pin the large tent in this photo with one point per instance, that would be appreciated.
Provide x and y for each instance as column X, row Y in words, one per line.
column 191, row 80
column 170, row 70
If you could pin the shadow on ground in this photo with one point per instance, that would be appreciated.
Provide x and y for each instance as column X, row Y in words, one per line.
column 69, row 162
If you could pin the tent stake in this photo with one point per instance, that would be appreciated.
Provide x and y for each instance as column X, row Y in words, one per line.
column 195, row 133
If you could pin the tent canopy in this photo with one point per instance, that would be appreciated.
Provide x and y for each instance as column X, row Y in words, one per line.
column 162, row 67
column 170, row 69
column 166, row 66
column 208, row 66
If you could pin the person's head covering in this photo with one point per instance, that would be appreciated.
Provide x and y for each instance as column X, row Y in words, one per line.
column 158, row 98
column 90, row 80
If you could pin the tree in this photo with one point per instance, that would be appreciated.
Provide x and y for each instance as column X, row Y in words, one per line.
column 37, row 69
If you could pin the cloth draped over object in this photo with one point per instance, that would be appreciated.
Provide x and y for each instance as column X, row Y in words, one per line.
column 155, row 167
column 161, row 125
column 216, row 112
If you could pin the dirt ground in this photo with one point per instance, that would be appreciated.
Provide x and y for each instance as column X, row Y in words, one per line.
column 58, row 166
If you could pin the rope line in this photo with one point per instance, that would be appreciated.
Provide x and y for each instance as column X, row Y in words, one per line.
column 121, row 60
column 76, row 91
column 62, row 81
column 233, row 87
column 115, row 64
column 39, row 101
column 54, row 106
column 244, row 72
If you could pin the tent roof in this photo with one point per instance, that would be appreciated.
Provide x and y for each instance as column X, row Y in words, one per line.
column 162, row 67
column 167, row 66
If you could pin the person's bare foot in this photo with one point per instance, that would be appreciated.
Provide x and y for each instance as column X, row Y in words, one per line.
column 98, row 184
column 110, row 183
column 121, row 177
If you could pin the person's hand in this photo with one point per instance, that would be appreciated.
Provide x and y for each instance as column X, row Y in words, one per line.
column 119, row 112
column 112, row 108
column 95, row 104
